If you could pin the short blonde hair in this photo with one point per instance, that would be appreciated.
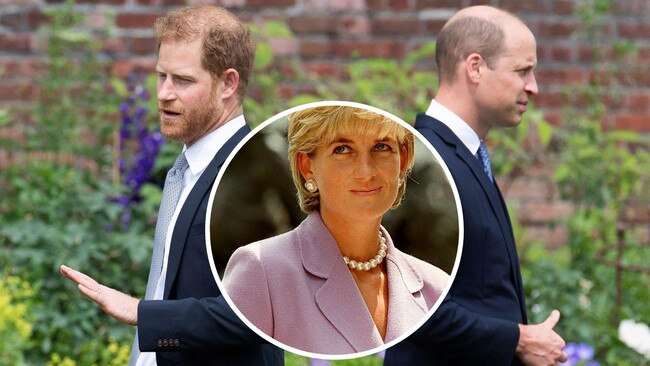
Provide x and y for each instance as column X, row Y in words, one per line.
column 314, row 127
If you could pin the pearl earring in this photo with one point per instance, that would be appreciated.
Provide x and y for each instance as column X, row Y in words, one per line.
column 400, row 181
column 311, row 186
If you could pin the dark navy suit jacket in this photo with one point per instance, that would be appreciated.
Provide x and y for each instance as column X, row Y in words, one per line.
column 194, row 325
column 477, row 322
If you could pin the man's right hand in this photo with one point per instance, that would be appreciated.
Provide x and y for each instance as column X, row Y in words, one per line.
column 539, row 344
column 116, row 304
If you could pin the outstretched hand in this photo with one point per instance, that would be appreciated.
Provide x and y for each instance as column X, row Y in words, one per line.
column 115, row 303
column 539, row 344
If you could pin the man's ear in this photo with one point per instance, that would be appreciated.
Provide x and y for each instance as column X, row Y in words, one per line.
column 473, row 67
column 230, row 79
column 304, row 166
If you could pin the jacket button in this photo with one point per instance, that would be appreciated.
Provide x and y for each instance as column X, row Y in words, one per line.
column 160, row 343
column 165, row 342
column 177, row 343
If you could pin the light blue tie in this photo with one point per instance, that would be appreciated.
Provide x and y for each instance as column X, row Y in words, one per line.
column 170, row 196
column 484, row 158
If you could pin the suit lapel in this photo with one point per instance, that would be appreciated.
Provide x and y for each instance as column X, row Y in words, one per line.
column 338, row 298
column 491, row 191
column 405, row 308
column 191, row 205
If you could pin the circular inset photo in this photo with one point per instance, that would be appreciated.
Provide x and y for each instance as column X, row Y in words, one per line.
column 334, row 229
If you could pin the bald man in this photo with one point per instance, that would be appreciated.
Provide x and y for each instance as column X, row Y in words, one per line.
column 486, row 58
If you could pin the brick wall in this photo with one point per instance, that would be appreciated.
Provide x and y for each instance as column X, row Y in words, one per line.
column 328, row 33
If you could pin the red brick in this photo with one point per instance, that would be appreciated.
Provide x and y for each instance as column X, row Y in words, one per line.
column 400, row 5
column 586, row 54
column 356, row 25
column 375, row 4
column 13, row 21
column 480, row 2
column 433, row 27
column 544, row 212
column 368, row 49
column 283, row 46
column 517, row 6
column 634, row 30
column 109, row 2
column 638, row 101
column 36, row 18
column 611, row 102
column 551, row 99
column 553, row 237
column 144, row 46
column 436, row 4
column 521, row 189
column 561, row 76
column 633, row 122
column 122, row 68
column 17, row 42
column 563, row 7
column 335, row 4
column 315, row 24
column 632, row 7
column 561, row 53
column 270, row 3
column 555, row 29
column 314, row 48
column 19, row 67
column 643, row 54
column 114, row 46
column 323, row 68
column 135, row 20
column 17, row 91
column 20, row 2
column 554, row 117
column 395, row 26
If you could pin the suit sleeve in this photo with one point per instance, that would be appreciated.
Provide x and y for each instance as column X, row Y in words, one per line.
column 464, row 335
column 172, row 325
column 246, row 282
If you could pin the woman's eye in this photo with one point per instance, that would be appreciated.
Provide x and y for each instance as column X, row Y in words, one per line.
column 341, row 149
column 383, row 147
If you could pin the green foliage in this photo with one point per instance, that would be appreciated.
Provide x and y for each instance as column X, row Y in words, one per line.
column 57, row 206
column 514, row 150
column 399, row 87
column 74, row 104
column 15, row 327
column 291, row 359
column 605, row 173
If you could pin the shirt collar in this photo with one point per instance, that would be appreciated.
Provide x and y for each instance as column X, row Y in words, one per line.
column 201, row 153
column 456, row 124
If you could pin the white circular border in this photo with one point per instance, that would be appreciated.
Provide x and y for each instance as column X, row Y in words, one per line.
column 450, row 179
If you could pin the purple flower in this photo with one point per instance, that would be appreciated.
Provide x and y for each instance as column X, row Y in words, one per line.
column 579, row 352
column 139, row 145
column 318, row 362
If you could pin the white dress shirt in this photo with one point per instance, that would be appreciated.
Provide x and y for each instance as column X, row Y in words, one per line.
column 198, row 156
column 456, row 124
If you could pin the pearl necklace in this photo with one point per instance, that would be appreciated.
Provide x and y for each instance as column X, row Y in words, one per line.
column 374, row 262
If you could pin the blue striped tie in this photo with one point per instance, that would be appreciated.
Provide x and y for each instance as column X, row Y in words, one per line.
column 484, row 158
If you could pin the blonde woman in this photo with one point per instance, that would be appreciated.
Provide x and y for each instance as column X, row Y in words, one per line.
column 336, row 284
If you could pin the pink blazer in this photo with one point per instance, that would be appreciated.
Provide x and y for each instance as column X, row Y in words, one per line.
column 296, row 288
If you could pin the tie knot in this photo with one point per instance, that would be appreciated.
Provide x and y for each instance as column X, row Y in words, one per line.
column 179, row 166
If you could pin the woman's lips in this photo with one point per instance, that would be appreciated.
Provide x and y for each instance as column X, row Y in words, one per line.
column 366, row 191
